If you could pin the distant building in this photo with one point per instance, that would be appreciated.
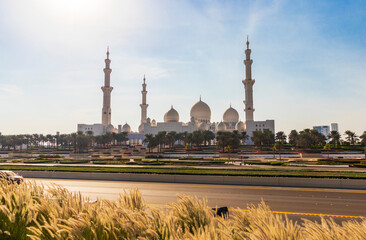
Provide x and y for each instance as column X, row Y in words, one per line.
column 325, row 130
column 334, row 127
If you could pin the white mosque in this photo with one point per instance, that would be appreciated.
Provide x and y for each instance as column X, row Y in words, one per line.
column 200, row 113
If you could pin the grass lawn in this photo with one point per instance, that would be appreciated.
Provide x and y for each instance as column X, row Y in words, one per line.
column 262, row 172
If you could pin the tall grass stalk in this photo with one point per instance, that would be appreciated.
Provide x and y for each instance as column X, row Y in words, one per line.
column 27, row 211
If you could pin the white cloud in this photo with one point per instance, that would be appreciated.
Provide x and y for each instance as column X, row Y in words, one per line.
column 8, row 90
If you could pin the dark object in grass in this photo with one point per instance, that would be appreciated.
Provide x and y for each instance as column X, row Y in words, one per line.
column 221, row 212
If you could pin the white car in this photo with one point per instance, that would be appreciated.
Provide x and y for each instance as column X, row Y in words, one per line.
column 11, row 176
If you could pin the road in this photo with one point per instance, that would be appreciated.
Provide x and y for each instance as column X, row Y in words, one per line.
column 297, row 202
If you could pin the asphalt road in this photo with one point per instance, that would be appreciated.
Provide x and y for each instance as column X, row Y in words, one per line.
column 296, row 202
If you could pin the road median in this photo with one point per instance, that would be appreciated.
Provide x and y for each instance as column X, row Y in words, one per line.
column 254, row 177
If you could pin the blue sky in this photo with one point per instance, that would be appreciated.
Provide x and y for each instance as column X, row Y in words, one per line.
column 309, row 61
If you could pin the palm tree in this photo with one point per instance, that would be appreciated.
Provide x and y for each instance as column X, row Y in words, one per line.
column 317, row 137
column 49, row 139
column 187, row 138
column 107, row 139
column 121, row 137
column 257, row 138
column 235, row 139
column 363, row 141
column 150, row 140
column 197, row 138
column 223, row 139
column 244, row 136
column 278, row 146
column 161, row 139
column 42, row 140
column 228, row 139
column 292, row 137
column 36, row 140
column 334, row 137
column 82, row 143
column 2, row 141
column 328, row 148
column 208, row 136
column 310, row 138
column 180, row 137
column 171, row 138
column 281, row 136
column 351, row 137
column 73, row 137
column 363, row 138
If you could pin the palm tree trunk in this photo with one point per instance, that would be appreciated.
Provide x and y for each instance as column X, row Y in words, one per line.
column 279, row 153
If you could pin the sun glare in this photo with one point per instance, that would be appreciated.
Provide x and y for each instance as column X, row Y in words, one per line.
column 88, row 11
column 72, row 10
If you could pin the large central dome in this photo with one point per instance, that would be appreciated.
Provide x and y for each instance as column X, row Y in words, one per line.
column 231, row 115
column 201, row 112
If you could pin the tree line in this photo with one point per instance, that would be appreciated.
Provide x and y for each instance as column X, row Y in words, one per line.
column 226, row 141
column 194, row 139
column 74, row 141
column 312, row 138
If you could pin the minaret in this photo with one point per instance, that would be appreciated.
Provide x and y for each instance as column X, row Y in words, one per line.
column 248, row 85
column 143, row 105
column 107, row 89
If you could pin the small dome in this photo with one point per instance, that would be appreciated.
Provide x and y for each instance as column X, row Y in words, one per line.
column 221, row 126
column 231, row 115
column 110, row 128
column 202, row 127
column 153, row 122
column 148, row 120
column 126, row 128
column 201, row 112
column 171, row 116
column 240, row 126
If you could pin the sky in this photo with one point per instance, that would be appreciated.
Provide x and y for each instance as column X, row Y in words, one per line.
column 309, row 61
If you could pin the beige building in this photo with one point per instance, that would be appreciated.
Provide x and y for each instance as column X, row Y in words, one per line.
column 200, row 113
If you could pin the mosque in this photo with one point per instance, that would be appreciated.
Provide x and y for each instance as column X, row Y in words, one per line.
column 200, row 113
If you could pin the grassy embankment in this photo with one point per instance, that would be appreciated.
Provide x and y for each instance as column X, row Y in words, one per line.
column 27, row 211
column 260, row 172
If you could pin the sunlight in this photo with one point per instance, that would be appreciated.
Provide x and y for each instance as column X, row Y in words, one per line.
column 71, row 10
column 81, row 11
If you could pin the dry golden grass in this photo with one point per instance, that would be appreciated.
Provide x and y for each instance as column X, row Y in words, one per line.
column 27, row 211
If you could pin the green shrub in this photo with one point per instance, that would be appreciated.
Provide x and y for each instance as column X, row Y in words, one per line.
column 153, row 162
column 257, row 162
column 338, row 161
column 40, row 161
column 191, row 158
column 353, row 148
column 277, row 163
column 153, row 156
column 74, row 161
column 41, row 156
column 360, row 165
column 109, row 162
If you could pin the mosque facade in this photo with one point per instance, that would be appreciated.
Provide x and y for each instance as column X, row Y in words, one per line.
column 200, row 114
